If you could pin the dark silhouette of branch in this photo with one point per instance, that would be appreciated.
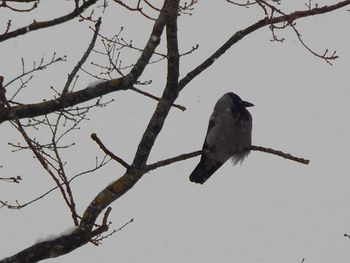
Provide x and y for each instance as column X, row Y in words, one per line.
column 167, row 16
column 247, row 4
column 171, row 90
column 36, row 67
column 99, row 239
column 326, row 56
column 186, row 156
column 70, row 99
column 22, row 1
column 131, row 177
column 44, row 24
column 4, row 4
column 279, row 153
column 151, row 5
column 108, row 152
column 93, row 91
column 67, row 195
column 42, row 161
column 138, row 8
column 83, row 234
column 168, row 161
column 83, row 58
column 55, row 247
column 11, row 179
column 261, row 23
column 19, row 205
column 183, row 108
column 104, row 226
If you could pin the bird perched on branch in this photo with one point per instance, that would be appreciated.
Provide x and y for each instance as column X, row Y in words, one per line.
column 229, row 135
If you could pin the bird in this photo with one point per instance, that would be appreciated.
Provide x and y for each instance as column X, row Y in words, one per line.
column 229, row 135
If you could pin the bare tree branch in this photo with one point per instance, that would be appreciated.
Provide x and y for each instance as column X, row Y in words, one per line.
column 280, row 153
column 83, row 58
column 11, row 179
column 22, row 1
column 4, row 4
column 44, row 24
column 186, row 156
column 168, row 161
column 37, row 154
column 108, row 152
column 84, row 233
column 70, row 99
column 94, row 91
column 20, row 205
column 261, row 23
column 183, row 108
column 128, row 180
column 88, row 229
column 36, row 67
column 171, row 90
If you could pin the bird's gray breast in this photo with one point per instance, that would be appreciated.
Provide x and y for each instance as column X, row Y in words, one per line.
column 229, row 135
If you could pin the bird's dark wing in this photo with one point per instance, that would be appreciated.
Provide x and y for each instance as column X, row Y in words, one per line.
column 206, row 146
column 202, row 173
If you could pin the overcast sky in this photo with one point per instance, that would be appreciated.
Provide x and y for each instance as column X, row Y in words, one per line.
column 266, row 210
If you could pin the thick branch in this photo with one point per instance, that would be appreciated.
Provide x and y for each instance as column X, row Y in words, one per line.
column 150, row 47
column 65, row 244
column 70, row 99
column 171, row 90
column 51, row 248
column 82, row 235
column 131, row 177
column 95, row 91
column 128, row 180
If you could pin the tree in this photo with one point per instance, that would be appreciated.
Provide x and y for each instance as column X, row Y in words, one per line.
column 61, row 114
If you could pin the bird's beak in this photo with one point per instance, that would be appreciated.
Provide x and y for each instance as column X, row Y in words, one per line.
column 247, row 104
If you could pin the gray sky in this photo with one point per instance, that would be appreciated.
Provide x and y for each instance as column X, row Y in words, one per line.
column 266, row 210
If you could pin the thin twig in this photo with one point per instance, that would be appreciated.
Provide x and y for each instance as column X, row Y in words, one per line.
column 168, row 161
column 108, row 152
column 246, row 4
column 83, row 58
column 279, row 153
column 239, row 35
column 42, row 65
column 4, row 4
column 183, row 108
column 138, row 8
column 20, row 206
column 99, row 239
column 37, row 154
column 36, row 25
column 11, row 179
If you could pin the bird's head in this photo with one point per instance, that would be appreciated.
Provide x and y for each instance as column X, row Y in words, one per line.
column 238, row 102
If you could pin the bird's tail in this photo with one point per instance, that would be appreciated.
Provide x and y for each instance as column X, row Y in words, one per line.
column 201, row 174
